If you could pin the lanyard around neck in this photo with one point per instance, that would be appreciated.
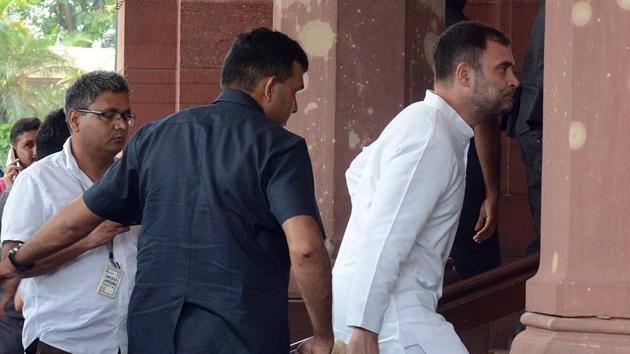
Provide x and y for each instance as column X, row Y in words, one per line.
column 110, row 244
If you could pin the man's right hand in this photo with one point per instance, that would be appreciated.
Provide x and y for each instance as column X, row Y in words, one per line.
column 104, row 233
column 316, row 345
column 362, row 342
column 11, row 172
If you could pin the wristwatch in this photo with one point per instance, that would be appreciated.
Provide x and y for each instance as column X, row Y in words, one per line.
column 19, row 267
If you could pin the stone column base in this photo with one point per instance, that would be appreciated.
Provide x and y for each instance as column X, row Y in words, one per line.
column 559, row 335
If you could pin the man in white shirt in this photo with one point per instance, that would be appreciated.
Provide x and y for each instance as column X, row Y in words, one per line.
column 69, row 304
column 407, row 190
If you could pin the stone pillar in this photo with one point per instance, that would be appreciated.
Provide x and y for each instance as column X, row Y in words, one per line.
column 147, row 55
column 171, row 51
column 367, row 61
column 206, row 31
column 579, row 301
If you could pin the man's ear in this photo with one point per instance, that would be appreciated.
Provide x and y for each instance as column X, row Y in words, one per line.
column 270, row 88
column 464, row 74
column 73, row 120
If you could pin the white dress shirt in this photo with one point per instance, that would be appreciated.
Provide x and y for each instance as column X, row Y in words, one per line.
column 63, row 308
column 407, row 190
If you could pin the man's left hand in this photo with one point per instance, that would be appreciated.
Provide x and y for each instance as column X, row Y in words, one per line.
column 9, row 281
column 487, row 222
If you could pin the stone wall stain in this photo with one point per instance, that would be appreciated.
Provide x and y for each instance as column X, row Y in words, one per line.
column 287, row 3
column 309, row 107
column 353, row 139
column 317, row 38
column 581, row 13
column 436, row 6
column 624, row 4
column 577, row 135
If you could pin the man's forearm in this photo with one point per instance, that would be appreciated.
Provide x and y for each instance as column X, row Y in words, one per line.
column 313, row 277
column 487, row 143
column 311, row 269
column 71, row 224
column 51, row 263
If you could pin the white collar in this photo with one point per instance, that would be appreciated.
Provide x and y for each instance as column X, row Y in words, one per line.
column 462, row 127
column 72, row 166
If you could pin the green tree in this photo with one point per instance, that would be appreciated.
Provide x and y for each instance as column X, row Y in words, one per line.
column 24, row 58
column 5, row 5
column 33, row 78
column 71, row 22
column 25, row 90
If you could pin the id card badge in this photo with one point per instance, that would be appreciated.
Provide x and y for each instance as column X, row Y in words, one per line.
column 110, row 281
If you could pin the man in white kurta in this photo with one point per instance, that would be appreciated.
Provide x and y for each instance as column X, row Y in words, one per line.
column 407, row 190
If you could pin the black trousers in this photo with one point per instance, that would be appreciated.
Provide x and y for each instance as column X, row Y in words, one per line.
column 530, row 144
column 472, row 258
column 39, row 347
column 11, row 330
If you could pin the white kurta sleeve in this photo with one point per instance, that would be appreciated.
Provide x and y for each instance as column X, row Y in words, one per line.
column 24, row 211
column 412, row 179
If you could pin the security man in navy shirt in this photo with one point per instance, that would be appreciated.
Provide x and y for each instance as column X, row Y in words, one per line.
column 226, row 201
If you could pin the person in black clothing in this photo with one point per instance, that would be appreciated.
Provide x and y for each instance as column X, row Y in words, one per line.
column 476, row 246
column 526, row 119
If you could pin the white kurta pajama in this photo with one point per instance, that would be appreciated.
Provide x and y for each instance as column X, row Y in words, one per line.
column 407, row 190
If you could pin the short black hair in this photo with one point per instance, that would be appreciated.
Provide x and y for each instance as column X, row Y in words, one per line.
column 87, row 87
column 457, row 4
column 463, row 42
column 23, row 125
column 260, row 53
column 52, row 134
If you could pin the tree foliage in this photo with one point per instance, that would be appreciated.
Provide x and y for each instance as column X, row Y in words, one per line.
column 73, row 22
column 6, row 5
column 33, row 79
column 26, row 63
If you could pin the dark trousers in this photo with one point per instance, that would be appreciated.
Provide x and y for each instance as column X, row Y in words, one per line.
column 39, row 347
column 472, row 258
column 530, row 144
column 10, row 336
column 11, row 329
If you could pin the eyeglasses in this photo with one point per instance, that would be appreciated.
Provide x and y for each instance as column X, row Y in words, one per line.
column 110, row 115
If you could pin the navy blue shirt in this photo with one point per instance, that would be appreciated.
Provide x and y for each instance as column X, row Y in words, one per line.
column 211, row 187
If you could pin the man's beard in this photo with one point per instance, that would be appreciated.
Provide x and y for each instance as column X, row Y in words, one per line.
column 487, row 101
